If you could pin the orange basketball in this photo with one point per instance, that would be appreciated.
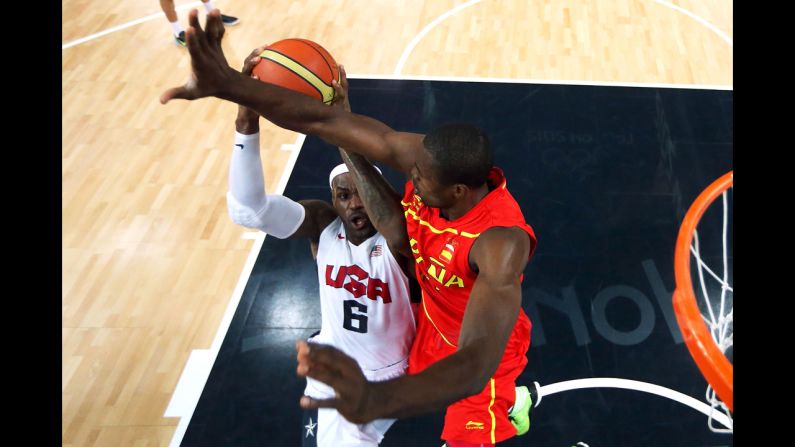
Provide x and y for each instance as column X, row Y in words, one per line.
column 299, row 65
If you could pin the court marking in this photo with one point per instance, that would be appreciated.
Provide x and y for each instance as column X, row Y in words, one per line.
column 446, row 15
column 412, row 44
column 197, row 369
column 125, row 26
column 700, row 20
column 205, row 358
column 635, row 385
column 184, row 405
column 424, row 31
column 394, row 77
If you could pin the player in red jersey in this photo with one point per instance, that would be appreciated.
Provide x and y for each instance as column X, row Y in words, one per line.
column 452, row 258
column 465, row 233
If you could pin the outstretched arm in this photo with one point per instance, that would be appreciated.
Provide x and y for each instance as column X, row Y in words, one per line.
column 247, row 202
column 500, row 255
column 380, row 200
column 212, row 76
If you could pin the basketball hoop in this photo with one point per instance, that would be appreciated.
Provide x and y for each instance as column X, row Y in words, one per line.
column 708, row 334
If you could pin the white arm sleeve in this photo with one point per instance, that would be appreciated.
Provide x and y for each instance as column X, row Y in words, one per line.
column 246, row 200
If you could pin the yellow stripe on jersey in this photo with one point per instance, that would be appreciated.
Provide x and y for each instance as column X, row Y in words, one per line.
column 434, row 324
column 413, row 214
column 325, row 90
column 493, row 419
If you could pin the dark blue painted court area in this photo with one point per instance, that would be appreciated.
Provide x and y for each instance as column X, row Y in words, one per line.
column 604, row 175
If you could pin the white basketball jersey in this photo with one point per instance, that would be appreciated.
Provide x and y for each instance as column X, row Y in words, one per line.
column 364, row 299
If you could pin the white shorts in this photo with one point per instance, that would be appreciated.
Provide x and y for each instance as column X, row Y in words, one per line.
column 333, row 430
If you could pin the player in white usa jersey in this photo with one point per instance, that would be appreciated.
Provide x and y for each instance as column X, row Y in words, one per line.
column 364, row 292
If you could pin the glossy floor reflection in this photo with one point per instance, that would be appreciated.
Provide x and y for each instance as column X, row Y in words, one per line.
column 604, row 175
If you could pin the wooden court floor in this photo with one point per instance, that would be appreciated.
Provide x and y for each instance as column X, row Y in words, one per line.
column 150, row 258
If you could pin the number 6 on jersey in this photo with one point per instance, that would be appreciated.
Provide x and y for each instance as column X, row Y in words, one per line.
column 356, row 322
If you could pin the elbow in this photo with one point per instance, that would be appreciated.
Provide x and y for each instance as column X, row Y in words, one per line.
column 479, row 382
column 244, row 215
column 238, row 213
column 479, row 371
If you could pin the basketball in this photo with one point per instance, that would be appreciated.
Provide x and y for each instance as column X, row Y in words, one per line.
column 299, row 65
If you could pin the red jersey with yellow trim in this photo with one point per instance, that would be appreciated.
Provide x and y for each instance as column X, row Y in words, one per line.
column 441, row 251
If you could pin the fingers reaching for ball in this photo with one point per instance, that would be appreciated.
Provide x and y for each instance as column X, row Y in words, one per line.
column 252, row 60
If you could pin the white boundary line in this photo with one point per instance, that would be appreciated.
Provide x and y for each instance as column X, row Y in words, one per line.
column 194, row 375
column 416, row 40
column 612, row 382
column 409, row 49
column 698, row 19
column 427, row 29
column 197, row 369
column 125, row 25
column 537, row 81
column 200, row 362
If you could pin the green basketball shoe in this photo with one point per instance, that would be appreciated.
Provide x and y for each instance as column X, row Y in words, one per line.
column 526, row 400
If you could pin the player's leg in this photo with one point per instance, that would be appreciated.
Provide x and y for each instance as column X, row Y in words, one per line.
column 171, row 15
column 333, row 430
column 309, row 428
column 228, row 20
column 324, row 427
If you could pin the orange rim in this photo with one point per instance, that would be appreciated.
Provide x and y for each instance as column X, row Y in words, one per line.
column 713, row 364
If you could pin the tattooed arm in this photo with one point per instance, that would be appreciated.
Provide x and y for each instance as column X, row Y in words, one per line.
column 380, row 200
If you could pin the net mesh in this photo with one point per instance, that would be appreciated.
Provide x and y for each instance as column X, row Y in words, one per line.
column 715, row 295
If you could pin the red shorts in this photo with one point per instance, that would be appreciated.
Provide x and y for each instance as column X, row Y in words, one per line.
column 482, row 418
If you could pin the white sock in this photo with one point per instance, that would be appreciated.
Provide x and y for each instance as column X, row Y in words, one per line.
column 209, row 5
column 176, row 27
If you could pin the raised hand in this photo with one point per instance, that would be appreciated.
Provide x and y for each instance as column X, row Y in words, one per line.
column 252, row 60
column 332, row 367
column 247, row 121
column 209, row 69
column 341, row 91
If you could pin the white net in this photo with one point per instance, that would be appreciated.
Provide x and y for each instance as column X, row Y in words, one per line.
column 716, row 297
